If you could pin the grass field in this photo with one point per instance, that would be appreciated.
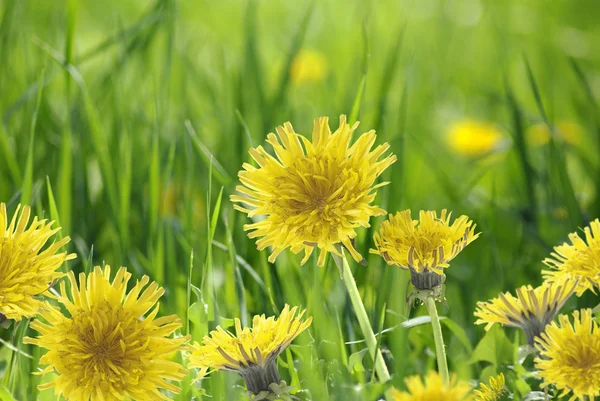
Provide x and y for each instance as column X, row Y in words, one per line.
column 128, row 121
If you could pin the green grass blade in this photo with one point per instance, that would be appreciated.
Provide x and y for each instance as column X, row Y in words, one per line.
column 219, row 171
column 8, row 155
column 27, row 186
column 154, row 183
column 388, row 78
column 358, row 99
column 529, row 174
column 557, row 159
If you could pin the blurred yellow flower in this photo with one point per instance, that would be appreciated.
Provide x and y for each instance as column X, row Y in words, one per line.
column 569, row 356
column 494, row 391
column 252, row 352
column 313, row 194
column 566, row 131
column 423, row 246
column 112, row 346
column 307, row 67
column 578, row 260
column 472, row 138
column 27, row 269
column 433, row 389
column 531, row 310
column 174, row 198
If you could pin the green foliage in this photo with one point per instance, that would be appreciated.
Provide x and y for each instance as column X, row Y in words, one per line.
column 127, row 122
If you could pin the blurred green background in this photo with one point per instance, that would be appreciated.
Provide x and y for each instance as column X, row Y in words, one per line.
column 128, row 121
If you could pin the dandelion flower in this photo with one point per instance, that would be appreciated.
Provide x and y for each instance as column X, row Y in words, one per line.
column 308, row 67
column 423, row 246
column 578, row 260
column 312, row 194
column 111, row 346
column 27, row 267
column 473, row 138
column 532, row 310
column 570, row 356
column 252, row 352
column 432, row 389
column 496, row 390
column 566, row 131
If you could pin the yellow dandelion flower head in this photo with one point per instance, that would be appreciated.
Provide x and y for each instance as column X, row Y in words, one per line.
column 112, row 344
column 578, row 260
column 531, row 310
column 27, row 266
column 472, row 138
column 569, row 356
column 433, row 389
column 248, row 347
column 312, row 193
column 566, row 131
column 423, row 245
column 308, row 66
column 495, row 390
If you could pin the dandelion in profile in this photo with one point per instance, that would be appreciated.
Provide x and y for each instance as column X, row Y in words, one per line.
column 579, row 260
column 27, row 266
column 531, row 310
column 472, row 138
column 433, row 388
column 251, row 352
column 308, row 66
column 312, row 194
column 424, row 246
column 569, row 356
column 495, row 390
column 111, row 346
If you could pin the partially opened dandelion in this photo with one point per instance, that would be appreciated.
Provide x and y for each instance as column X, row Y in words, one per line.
column 425, row 247
column 27, row 266
column 532, row 310
column 569, row 356
column 252, row 352
column 579, row 260
column 495, row 390
column 312, row 194
column 112, row 345
column 433, row 388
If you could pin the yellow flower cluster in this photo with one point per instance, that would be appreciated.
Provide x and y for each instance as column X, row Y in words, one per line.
column 105, row 342
column 568, row 354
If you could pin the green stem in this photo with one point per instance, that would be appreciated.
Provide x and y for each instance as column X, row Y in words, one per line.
column 439, row 340
column 363, row 319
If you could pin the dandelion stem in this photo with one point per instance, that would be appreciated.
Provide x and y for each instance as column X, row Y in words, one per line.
column 363, row 319
column 439, row 340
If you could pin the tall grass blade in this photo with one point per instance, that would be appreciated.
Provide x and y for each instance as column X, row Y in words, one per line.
column 27, row 186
